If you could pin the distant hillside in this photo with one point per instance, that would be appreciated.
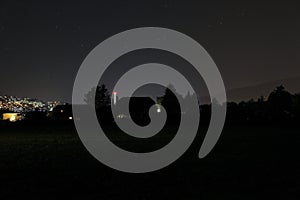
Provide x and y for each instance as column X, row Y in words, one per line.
column 264, row 89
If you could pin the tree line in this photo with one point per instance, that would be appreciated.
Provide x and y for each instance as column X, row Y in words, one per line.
column 280, row 107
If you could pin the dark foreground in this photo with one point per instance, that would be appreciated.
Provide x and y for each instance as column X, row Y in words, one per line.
column 247, row 163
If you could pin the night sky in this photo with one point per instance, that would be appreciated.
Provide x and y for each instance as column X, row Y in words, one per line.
column 43, row 43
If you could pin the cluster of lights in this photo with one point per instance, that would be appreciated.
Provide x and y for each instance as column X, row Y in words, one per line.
column 16, row 104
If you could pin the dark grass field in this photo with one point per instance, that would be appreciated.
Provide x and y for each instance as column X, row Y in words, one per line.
column 50, row 162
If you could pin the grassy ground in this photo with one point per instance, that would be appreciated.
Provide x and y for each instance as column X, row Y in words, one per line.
column 247, row 163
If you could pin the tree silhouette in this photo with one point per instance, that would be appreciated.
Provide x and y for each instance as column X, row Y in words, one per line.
column 172, row 106
column 280, row 104
column 170, row 101
column 280, row 107
column 296, row 107
column 102, row 98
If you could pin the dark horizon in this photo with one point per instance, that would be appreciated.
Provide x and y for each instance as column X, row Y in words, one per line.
column 236, row 95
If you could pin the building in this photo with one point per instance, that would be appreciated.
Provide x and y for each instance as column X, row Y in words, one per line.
column 12, row 117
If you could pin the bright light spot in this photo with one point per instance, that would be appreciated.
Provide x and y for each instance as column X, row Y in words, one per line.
column 70, row 118
column 158, row 110
column 12, row 118
column 115, row 93
column 121, row 116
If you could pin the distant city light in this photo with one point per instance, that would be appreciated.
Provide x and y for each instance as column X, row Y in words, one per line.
column 18, row 105
column 121, row 116
column 12, row 117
